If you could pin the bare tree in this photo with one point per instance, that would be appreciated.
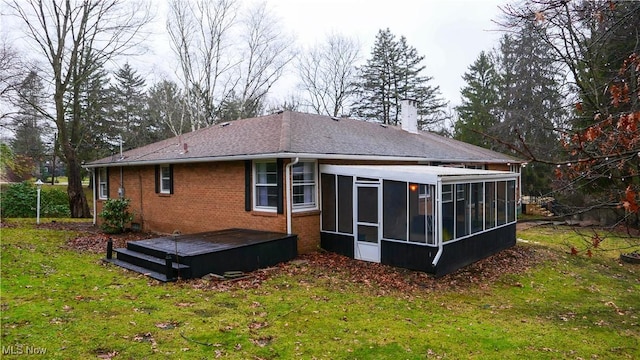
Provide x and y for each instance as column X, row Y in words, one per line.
column 200, row 33
column 75, row 37
column 328, row 74
column 11, row 71
column 266, row 50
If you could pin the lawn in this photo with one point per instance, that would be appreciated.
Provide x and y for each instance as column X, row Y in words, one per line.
column 548, row 305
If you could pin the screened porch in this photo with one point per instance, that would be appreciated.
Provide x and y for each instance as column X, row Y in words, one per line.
column 433, row 219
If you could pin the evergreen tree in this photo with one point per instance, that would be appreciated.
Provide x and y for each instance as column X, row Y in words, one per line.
column 234, row 107
column 129, row 106
column 477, row 114
column 531, row 104
column 393, row 73
column 532, row 96
column 99, row 132
column 167, row 114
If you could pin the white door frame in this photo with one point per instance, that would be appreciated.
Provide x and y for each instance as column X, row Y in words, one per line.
column 366, row 250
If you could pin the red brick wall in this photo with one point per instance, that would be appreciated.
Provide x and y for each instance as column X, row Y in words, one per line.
column 307, row 226
column 207, row 196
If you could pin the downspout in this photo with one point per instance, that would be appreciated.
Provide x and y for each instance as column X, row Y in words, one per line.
column 95, row 206
column 436, row 258
column 288, row 191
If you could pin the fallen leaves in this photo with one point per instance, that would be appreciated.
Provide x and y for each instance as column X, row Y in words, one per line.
column 338, row 270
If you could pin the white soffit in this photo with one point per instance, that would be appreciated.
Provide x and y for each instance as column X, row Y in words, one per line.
column 417, row 173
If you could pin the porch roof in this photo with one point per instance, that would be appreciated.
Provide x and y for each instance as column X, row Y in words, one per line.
column 418, row 173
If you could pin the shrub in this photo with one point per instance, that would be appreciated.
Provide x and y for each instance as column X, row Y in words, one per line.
column 116, row 215
column 20, row 201
column 54, row 203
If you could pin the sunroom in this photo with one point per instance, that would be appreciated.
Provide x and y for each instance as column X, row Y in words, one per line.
column 426, row 218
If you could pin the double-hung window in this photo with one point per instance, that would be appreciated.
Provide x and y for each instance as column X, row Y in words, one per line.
column 165, row 179
column 266, row 185
column 103, row 183
column 304, row 185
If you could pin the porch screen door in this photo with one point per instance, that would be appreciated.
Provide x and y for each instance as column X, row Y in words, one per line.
column 367, row 222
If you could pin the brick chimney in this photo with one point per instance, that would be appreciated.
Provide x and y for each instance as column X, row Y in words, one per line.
column 409, row 115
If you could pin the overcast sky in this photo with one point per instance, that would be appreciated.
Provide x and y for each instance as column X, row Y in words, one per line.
column 449, row 33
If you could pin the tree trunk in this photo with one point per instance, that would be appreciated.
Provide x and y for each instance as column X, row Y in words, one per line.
column 77, row 200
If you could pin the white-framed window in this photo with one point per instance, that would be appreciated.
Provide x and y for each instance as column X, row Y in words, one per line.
column 165, row 179
column 103, row 184
column 304, row 185
column 265, row 175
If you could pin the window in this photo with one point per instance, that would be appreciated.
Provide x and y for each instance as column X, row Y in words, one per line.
column 490, row 205
column 304, row 185
column 103, row 183
column 337, row 203
column 501, row 202
column 266, row 185
column 448, row 219
column 511, row 201
column 462, row 216
column 345, row 204
column 328, row 202
column 417, row 203
column 164, row 179
column 394, row 208
column 476, row 207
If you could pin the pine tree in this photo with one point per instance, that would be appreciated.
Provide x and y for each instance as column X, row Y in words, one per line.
column 129, row 107
column 393, row 73
column 532, row 100
column 95, row 103
column 531, row 104
column 167, row 114
column 477, row 114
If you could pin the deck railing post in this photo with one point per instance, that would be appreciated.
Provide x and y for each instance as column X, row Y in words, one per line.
column 110, row 248
column 169, row 268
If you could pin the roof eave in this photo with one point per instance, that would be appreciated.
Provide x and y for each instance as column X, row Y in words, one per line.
column 125, row 162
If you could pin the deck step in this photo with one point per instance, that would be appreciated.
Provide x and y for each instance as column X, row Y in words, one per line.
column 149, row 258
column 139, row 269
column 139, row 248
column 151, row 263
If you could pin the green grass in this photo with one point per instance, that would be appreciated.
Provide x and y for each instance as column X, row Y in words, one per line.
column 74, row 306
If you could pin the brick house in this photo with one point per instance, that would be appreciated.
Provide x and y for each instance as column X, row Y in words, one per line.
column 316, row 176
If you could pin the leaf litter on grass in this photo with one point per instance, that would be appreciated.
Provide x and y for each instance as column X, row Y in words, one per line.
column 333, row 267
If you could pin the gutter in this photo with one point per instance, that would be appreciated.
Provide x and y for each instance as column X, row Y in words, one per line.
column 288, row 191
column 125, row 162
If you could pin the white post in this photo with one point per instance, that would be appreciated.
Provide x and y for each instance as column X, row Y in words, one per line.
column 39, row 185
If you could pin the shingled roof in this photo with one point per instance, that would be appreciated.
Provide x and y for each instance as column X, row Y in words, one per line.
column 294, row 134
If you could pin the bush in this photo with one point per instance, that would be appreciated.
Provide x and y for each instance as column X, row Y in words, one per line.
column 54, row 203
column 116, row 215
column 20, row 201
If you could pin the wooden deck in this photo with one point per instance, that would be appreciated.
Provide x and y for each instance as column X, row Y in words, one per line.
column 194, row 255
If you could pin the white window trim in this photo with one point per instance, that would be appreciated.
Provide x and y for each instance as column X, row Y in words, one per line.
column 254, row 186
column 160, row 174
column 102, row 180
column 306, row 207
